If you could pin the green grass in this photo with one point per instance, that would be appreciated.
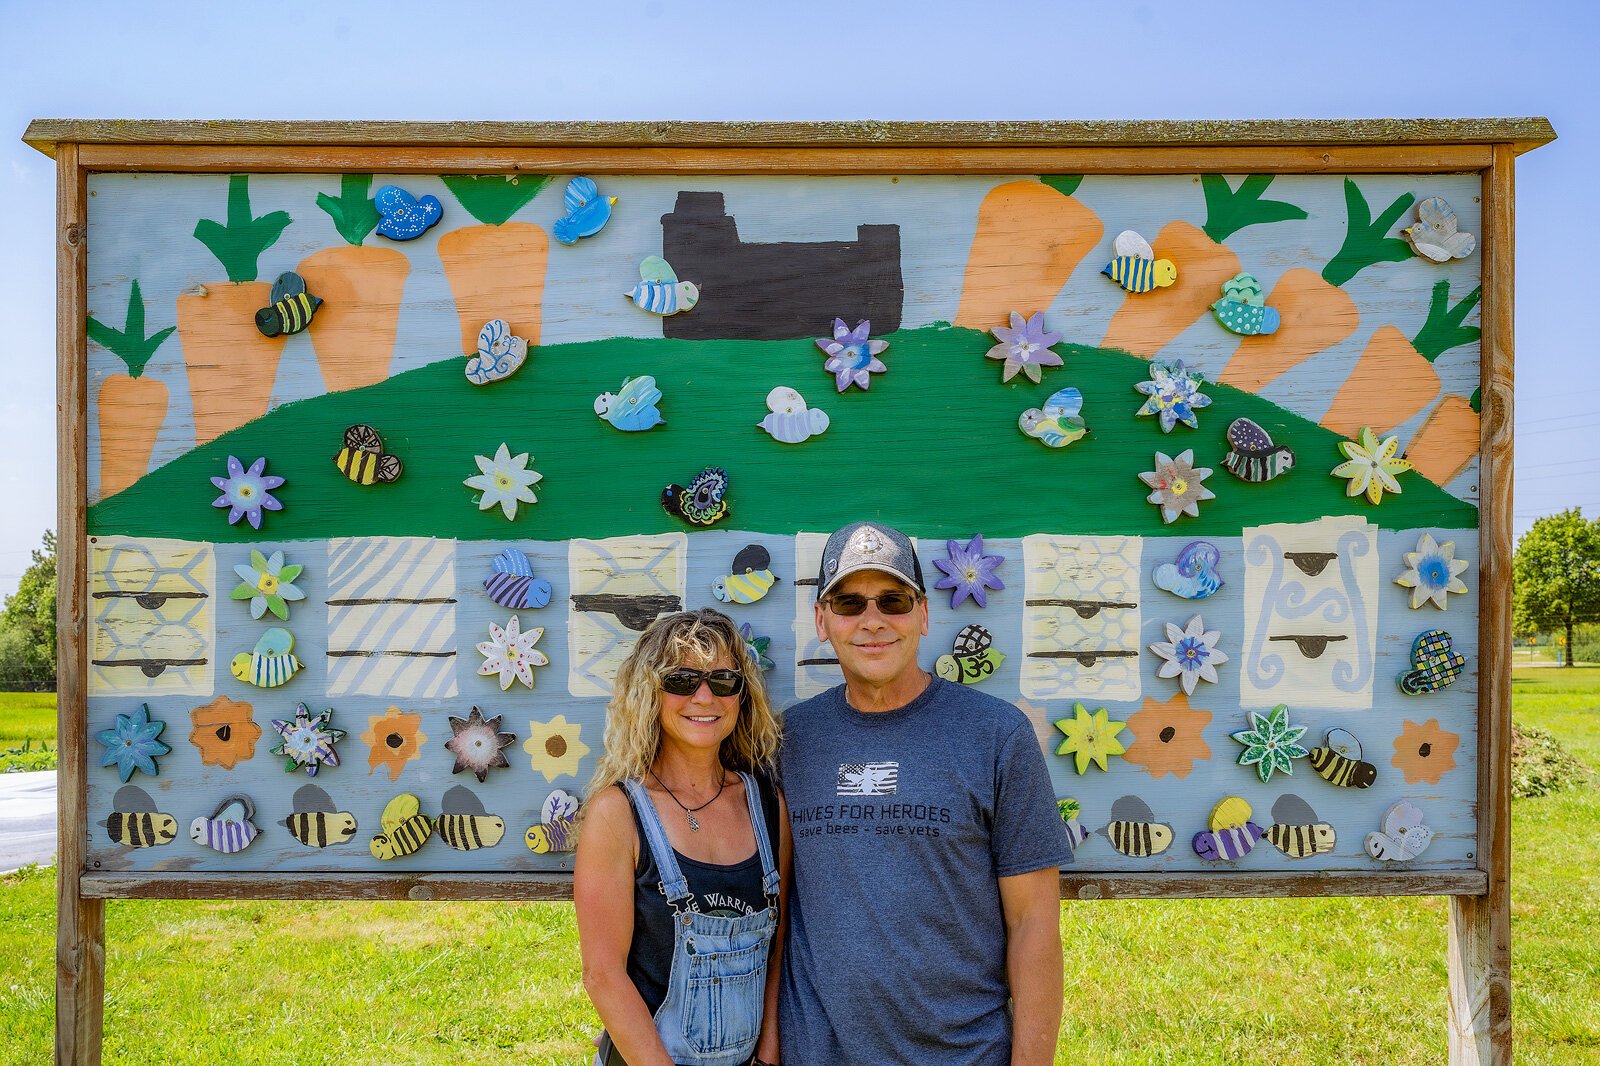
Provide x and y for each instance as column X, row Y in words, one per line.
column 27, row 717
column 1359, row 981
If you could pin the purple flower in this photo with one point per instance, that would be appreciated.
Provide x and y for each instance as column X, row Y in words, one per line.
column 244, row 492
column 969, row 572
column 1025, row 346
column 852, row 355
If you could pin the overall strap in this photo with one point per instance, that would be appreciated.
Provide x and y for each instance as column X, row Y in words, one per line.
column 758, row 822
column 673, row 884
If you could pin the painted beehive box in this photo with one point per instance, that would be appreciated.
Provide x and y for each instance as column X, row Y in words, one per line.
column 387, row 474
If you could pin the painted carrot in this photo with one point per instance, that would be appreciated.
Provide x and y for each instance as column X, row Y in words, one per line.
column 1447, row 441
column 231, row 366
column 1147, row 323
column 495, row 270
column 130, row 407
column 1031, row 235
column 354, row 333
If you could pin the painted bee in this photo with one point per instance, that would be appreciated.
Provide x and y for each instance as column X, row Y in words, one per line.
column 1069, row 810
column 134, row 821
column 557, row 829
column 362, row 459
column 1136, row 267
column 469, row 832
column 1134, row 831
column 1252, row 456
column 1232, row 835
column 659, row 291
column 751, row 579
column 1296, row 830
column 291, row 308
column 1338, row 761
column 315, row 822
column 1403, row 836
column 230, row 829
column 271, row 663
column 405, row 828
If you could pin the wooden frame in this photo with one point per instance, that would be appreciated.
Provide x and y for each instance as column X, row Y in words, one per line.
column 1479, row 916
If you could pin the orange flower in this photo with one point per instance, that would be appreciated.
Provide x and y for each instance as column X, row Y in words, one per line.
column 1425, row 752
column 393, row 739
column 225, row 732
column 1166, row 737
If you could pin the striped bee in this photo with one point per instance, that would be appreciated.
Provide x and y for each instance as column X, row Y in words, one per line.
column 230, row 829
column 1069, row 810
column 1136, row 267
column 1338, row 761
column 659, row 291
column 751, row 579
column 362, row 458
column 1134, row 831
column 512, row 583
column 1232, row 835
column 557, row 828
column 1297, row 831
column 291, row 308
column 315, row 822
column 1251, row 454
column 134, row 821
column 270, row 664
column 972, row 657
column 405, row 828
column 469, row 832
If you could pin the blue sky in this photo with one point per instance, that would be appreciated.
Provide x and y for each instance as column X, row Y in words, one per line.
column 823, row 59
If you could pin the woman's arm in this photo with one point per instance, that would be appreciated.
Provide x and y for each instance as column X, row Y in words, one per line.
column 602, row 889
column 767, row 1046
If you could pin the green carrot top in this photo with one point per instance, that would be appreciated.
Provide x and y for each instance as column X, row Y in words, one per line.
column 1444, row 330
column 239, row 244
column 354, row 213
column 1065, row 184
column 493, row 198
column 1365, row 242
column 129, row 342
column 1229, row 210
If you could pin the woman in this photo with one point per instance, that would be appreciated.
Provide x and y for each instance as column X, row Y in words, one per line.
column 683, row 853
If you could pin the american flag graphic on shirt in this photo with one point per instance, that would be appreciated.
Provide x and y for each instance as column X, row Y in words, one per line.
column 868, row 779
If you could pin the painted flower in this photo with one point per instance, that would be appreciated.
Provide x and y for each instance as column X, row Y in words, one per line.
column 131, row 744
column 308, row 740
column 1424, row 753
column 1191, row 654
column 852, row 355
column 1432, row 572
column 505, row 480
column 1090, row 736
column 756, row 646
column 1371, row 465
column 968, row 572
column 1173, row 395
column 476, row 742
column 225, row 732
column 245, row 492
column 393, row 739
column 1167, row 737
column 510, row 653
column 556, row 747
column 1025, row 347
column 1271, row 743
column 268, row 584
column 1177, row 485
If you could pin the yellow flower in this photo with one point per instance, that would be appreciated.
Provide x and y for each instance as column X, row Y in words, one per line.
column 1371, row 465
column 555, row 747
column 1089, row 736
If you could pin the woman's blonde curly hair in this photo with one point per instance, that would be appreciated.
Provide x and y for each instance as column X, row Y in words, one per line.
column 633, row 718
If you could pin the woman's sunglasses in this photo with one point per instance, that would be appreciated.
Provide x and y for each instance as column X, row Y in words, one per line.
column 686, row 682
column 850, row 604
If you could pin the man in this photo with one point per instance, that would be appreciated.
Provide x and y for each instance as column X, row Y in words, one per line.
column 926, row 845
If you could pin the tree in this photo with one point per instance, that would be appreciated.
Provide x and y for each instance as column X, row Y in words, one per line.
column 28, row 624
column 1557, row 569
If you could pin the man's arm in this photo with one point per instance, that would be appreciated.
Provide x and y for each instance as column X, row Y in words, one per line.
column 1032, row 907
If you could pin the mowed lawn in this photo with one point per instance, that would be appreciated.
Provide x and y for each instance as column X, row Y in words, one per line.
column 1357, row 981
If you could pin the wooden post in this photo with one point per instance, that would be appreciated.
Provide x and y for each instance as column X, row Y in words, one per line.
column 1480, row 926
column 80, row 922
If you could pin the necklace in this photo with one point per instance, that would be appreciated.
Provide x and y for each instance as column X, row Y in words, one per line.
column 694, row 823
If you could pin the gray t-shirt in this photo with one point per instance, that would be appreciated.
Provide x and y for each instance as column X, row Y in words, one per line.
column 902, row 821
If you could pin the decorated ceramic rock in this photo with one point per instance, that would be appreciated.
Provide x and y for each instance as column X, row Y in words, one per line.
column 1069, row 810
column 703, row 503
column 1136, row 267
column 1432, row 572
column 291, row 308
column 230, row 829
column 1134, row 831
column 363, row 460
column 1403, row 835
column 405, row 217
column 405, row 828
column 555, row 829
column 1177, row 485
column 1231, row 836
column 316, row 821
column 587, row 211
column 1339, row 761
column 308, row 740
column 1271, row 744
column 134, row 821
column 1435, row 664
column 1193, row 575
column 1371, row 466
column 1091, row 737
column 1243, row 308
column 1173, row 395
column 789, row 420
column 513, row 585
column 972, row 657
column 852, row 355
column 1190, row 654
column 270, row 664
column 1437, row 234
column 246, row 493
column 501, row 353
column 476, row 742
column 133, row 743
column 632, row 408
column 659, row 291
column 510, row 653
column 1252, row 456
column 1059, row 422
column 751, row 579
column 969, row 572
column 1297, row 831
column 463, row 824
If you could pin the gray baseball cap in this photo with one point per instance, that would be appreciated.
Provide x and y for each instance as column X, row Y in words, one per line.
column 868, row 546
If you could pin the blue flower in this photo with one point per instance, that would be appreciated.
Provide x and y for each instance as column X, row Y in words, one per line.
column 244, row 492
column 968, row 572
column 1174, row 395
column 132, row 745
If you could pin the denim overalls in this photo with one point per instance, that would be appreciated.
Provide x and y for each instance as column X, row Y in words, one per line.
column 712, row 1013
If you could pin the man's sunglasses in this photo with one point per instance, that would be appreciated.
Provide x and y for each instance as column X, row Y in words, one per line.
column 686, row 682
column 850, row 604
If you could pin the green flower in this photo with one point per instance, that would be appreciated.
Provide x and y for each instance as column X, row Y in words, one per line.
column 1270, row 743
column 268, row 584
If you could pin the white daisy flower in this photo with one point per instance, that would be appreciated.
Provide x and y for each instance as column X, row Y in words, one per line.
column 1190, row 654
column 505, row 480
column 510, row 653
column 1431, row 572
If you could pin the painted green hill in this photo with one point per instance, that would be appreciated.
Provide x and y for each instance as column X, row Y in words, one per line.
column 933, row 448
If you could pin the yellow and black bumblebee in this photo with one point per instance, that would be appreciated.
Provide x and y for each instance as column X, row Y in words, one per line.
column 316, row 823
column 1134, row 831
column 1297, row 831
column 405, row 828
column 1339, row 762
column 291, row 308
column 463, row 824
column 362, row 458
column 135, row 823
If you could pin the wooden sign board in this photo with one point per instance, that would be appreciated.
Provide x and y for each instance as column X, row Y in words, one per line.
column 1318, row 491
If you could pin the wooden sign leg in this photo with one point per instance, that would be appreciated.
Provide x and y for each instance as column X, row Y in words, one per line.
column 1480, row 979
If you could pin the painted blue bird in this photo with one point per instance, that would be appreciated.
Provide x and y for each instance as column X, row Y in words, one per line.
column 587, row 211
column 1194, row 575
column 632, row 408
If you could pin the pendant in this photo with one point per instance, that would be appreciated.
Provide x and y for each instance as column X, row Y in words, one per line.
column 694, row 823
